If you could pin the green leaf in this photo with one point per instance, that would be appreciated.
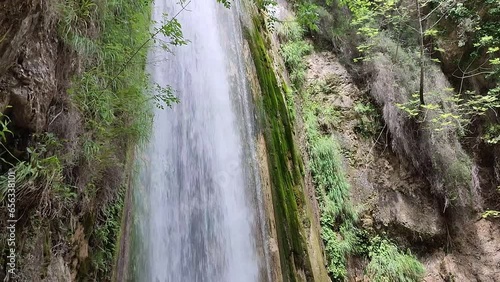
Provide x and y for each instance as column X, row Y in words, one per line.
column 431, row 32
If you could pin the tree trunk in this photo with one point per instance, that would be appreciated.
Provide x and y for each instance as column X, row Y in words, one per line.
column 422, row 47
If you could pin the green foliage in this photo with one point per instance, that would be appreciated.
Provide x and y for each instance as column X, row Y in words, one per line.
column 114, row 94
column 337, row 214
column 368, row 118
column 112, row 99
column 291, row 30
column 482, row 31
column 164, row 96
column 329, row 178
column 289, row 102
column 338, row 218
column 268, row 13
column 460, row 11
column 368, row 17
column 4, row 128
column 339, row 232
column 388, row 264
column 490, row 214
column 105, row 236
column 41, row 178
column 434, row 114
column 492, row 134
column 335, row 206
column 347, row 241
column 226, row 3
column 477, row 105
column 172, row 29
column 336, row 250
column 293, row 53
column 115, row 99
column 335, row 26
column 466, row 107
column 76, row 18
column 478, row 34
column 307, row 15
column 285, row 166
column 262, row 4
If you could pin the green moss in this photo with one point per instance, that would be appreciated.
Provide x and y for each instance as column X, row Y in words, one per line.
column 285, row 166
column 341, row 234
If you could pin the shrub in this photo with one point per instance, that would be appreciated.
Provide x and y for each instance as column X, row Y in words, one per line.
column 329, row 178
column 290, row 30
column 337, row 214
column 293, row 53
column 115, row 100
column 388, row 264
column 341, row 244
column 105, row 235
column 307, row 15
column 368, row 119
column 40, row 179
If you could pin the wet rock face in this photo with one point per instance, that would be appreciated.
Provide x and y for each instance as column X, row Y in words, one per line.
column 412, row 217
column 29, row 51
column 395, row 198
column 391, row 196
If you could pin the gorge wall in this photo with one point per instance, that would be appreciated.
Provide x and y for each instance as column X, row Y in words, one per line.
column 354, row 188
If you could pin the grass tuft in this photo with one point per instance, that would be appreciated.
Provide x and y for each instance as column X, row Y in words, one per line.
column 339, row 230
column 387, row 263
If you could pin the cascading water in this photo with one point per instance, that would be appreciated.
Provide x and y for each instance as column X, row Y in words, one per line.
column 199, row 185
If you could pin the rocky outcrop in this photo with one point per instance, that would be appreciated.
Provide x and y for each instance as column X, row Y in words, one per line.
column 391, row 196
column 396, row 199
column 472, row 255
column 34, row 66
column 35, row 72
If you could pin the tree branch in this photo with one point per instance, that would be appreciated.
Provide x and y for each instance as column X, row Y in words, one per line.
column 183, row 8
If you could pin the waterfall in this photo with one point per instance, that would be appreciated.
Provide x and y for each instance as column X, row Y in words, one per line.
column 198, row 197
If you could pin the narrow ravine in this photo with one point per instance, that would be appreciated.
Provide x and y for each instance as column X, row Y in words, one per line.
column 199, row 186
column 313, row 140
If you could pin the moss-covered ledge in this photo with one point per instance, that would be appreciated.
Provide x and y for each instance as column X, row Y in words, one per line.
column 285, row 165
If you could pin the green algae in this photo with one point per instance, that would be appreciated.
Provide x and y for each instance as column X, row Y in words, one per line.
column 285, row 165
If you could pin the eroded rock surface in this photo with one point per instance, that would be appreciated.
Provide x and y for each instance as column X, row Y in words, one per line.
column 34, row 66
column 396, row 199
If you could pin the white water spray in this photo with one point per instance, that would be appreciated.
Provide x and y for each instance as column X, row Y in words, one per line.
column 199, row 184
